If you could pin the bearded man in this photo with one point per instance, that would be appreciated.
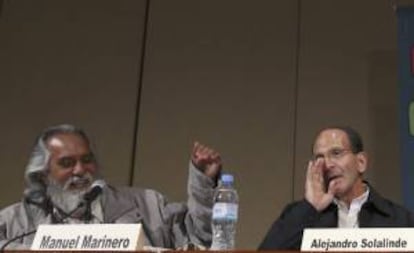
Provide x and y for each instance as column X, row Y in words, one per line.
column 64, row 185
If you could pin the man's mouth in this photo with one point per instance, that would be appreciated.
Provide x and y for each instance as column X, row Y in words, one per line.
column 79, row 183
column 333, row 177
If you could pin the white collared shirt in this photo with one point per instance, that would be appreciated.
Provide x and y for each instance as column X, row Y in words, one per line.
column 348, row 218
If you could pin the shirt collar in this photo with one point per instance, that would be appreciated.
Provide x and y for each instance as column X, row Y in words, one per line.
column 356, row 203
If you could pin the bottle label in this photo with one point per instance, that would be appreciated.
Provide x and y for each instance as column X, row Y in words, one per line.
column 227, row 211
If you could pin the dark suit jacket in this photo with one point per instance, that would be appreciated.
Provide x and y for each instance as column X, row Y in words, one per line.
column 286, row 232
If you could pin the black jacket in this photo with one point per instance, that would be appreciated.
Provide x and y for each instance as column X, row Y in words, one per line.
column 286, row 232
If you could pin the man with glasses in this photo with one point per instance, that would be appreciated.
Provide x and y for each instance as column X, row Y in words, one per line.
column 64, row 185
column 336, row 194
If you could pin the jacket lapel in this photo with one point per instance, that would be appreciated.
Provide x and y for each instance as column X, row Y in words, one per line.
column 119, row 207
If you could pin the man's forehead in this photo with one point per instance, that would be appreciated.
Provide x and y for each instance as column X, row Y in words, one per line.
column 329, row 139
column 56, row 142
column 67, row 141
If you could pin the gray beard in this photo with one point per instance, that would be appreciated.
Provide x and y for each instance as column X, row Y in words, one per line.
column 64, row 199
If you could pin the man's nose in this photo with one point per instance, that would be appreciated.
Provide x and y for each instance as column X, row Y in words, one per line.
column 328, row 162
column 79, row 168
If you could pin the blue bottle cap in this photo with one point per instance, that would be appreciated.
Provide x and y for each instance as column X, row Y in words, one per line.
column 227, row 178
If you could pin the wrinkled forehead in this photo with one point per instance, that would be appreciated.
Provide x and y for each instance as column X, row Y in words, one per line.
column 330, row 139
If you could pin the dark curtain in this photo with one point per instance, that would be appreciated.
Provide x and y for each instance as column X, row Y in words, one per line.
column 406, row 85
column 1, row 7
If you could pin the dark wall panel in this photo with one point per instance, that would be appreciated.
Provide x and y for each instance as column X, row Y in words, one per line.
column 221, row 72
column 68, row 61
column 348, row 76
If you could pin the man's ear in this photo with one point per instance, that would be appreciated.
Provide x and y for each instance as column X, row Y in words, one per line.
column 362, row 160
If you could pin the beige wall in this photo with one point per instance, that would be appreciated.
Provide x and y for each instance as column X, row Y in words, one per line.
column 348, row 75
column 254, row 79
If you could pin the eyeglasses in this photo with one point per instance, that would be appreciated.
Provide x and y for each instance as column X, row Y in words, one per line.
column 70, row 161
column 333, row 154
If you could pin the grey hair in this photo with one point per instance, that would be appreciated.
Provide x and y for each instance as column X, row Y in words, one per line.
column 38, row 165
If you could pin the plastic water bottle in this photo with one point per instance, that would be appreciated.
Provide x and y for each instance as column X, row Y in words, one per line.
column 225, row 214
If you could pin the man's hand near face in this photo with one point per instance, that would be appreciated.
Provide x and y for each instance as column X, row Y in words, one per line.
column 315, row 186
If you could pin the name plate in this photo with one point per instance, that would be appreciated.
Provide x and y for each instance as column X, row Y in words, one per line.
column 358, row 239
column 111, row 237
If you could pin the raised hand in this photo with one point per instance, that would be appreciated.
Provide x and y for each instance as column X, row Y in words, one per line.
column 315, row 187
column 206, row 160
